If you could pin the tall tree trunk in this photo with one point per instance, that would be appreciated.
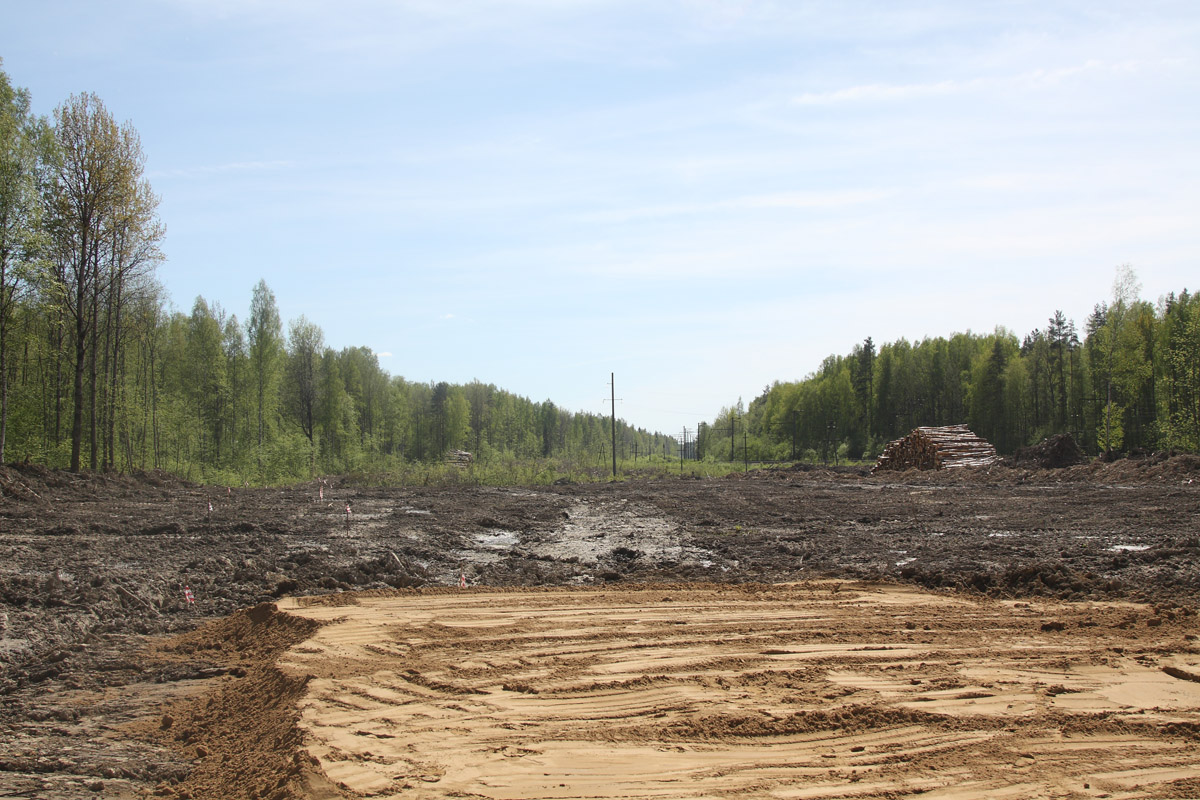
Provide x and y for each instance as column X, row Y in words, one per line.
column 44, row 374
column 154, row 434
column 105, row 393
column 58, row 379
column 93, row 432
column 114, row 385
column 7, row 297
column 3, row 390
column 80, row 359
column 148, row 442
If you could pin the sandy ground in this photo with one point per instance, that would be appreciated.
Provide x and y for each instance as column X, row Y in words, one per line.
column 815, row 690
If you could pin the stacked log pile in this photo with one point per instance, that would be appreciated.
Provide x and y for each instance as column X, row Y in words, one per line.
column 459, row 458
column 937, row 448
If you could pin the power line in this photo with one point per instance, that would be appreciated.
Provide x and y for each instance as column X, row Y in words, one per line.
column 688, row 414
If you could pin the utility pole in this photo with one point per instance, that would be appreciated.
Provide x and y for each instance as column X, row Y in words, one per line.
column 612, row 385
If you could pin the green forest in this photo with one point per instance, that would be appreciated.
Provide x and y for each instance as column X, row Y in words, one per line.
column 1131, row 383
column 98, row 370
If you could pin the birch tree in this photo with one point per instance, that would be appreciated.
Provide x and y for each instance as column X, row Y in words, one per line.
column 101, row 216
column 307, row 343
column 264, row 334
column 19, row 219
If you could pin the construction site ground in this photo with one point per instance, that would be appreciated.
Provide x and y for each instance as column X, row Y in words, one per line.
column 786, row 633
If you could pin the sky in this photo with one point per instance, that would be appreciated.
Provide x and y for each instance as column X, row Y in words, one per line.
column 698, row 197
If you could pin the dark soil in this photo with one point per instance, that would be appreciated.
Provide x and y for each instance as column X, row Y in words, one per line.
column 93, row 568
column 1055, row 452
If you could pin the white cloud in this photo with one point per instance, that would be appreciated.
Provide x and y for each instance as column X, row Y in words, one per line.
column 1038, row 78
column 775, row 200
column 216, row 169
column 878, row 92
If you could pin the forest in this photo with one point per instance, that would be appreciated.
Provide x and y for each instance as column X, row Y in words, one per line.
column 1132, row 383
column 99, row 371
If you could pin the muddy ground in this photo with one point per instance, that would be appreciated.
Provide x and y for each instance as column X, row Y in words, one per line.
column 93, row 570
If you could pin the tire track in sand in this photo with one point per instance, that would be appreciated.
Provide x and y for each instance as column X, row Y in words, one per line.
column 802, row 691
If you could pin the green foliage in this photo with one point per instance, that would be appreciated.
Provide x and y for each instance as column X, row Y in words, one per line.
column 19, row 224
column 1180, row 373
column 190, row 404
column 1111, row 434
column 211, row 399
column 1133, row 382
column 265, row 355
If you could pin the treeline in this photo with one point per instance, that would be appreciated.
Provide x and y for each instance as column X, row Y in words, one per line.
column 97, row 371
column 206, row 396
column 1131, row 382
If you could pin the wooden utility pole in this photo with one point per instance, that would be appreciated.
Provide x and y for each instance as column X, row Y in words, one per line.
column 612, row 378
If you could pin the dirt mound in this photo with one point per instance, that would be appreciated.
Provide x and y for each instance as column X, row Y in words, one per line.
column 1019, row 580
column 1164, row 466
column 1046, row 463
column 1055, row 452
column 242, row 735
column 33, row 483
column 22, row 483
column 251, row 635
column 1179, row 465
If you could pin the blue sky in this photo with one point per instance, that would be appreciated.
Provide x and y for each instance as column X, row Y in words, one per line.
column 701, row 197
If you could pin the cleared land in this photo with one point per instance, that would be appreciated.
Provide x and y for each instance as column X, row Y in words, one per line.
column 818, row 690
column 790, row 634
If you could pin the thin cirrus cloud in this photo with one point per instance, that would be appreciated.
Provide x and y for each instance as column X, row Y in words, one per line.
column 1031, row 79
column 207, row 170
column 877, row 92
column 776, row 200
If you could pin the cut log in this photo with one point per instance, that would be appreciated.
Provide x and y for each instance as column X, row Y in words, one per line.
column 459, row 458
column 946, row 447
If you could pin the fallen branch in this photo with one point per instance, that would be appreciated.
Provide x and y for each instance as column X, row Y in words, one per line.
column 126, row 593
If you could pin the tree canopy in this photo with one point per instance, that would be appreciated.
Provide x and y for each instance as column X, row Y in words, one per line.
column 1130, row 384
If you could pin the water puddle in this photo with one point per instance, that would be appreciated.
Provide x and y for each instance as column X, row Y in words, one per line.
column 497, row 539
